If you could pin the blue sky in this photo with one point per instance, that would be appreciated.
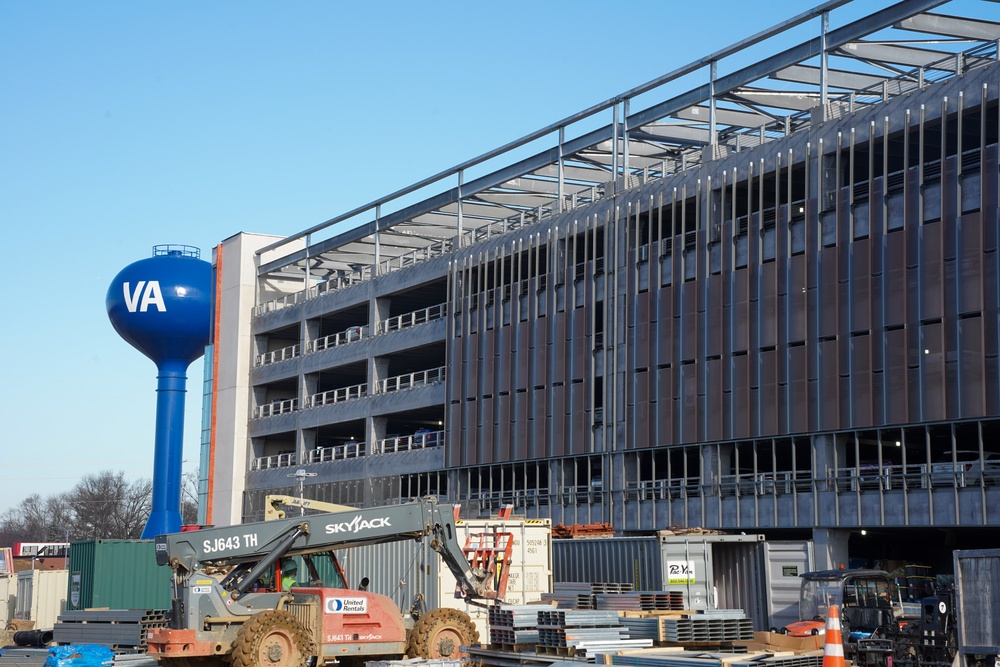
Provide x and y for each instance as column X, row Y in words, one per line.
column 124, row 125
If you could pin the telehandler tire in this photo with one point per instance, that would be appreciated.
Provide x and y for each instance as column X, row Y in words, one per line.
column 441, row 633
column 272, row 639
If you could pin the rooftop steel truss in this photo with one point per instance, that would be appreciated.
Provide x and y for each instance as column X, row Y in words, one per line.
column 894, row 50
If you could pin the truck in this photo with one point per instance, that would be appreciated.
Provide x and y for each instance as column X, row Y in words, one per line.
column 230, row 597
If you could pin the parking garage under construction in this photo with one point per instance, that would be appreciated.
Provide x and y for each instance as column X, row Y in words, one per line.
column 758, row 293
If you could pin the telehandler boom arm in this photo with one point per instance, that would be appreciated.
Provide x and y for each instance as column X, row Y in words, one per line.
column 256, row 546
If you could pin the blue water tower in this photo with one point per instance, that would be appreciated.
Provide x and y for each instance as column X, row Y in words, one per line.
column 163, row 307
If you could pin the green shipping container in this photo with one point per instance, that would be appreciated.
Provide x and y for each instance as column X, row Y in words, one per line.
column 116, row 574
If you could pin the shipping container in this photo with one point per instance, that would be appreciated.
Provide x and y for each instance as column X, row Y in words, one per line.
column 411, row 573
column 8, row 598
column 715, row 571
column 41, row 597
column 977, row 597
column 712, row 571
column 117, row 574
column 620, row 560
column 786, row 561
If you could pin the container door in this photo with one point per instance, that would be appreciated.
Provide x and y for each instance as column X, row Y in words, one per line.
column 786, row 561
column 25, row 594
column 687, row 567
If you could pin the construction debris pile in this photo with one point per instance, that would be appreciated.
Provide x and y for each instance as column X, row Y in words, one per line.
column 611, row 624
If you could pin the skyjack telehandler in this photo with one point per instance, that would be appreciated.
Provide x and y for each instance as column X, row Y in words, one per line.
column 229, row 602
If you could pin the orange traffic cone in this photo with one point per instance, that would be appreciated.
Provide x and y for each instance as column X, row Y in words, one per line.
column 833, row 648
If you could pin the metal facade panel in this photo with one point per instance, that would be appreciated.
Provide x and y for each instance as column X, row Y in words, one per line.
column 931, row 271
column 502, row 446
column 767, row 404
column 558, row 417
column 642, row 329
column 539, row 409
column 559, row 350
column 689, row 403
column 972, row 399
column 970, row 265
column 798, row 389
column 894, row 279
column 578, row 414
column 990, row 210
column 768, row 305
column 474, row 363
column 861, row 381
column 643, row 408
column 715, row 317
column 540, row 355
column 740, row 397
column 488, row 376
column 829, row 387
column 664, row 406
column 797, row 298
column 523, row 379
column 861, row 288
column 932, row 380
column 895, row 374
column 521, row 426
column 663, row 331
column 505, row 358
column 485, row 431
column 687, row 327
column 581, row 346
column 713, row 404
column 827, row 293
column 741, row 311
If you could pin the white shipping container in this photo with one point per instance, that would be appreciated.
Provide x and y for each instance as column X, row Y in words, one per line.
column 8, row 596
column 41, row 596
column 410, row 572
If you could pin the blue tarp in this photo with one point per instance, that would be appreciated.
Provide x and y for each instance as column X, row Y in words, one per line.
column 79, row 655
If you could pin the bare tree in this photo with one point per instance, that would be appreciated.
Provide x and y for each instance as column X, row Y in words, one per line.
column 37, row 520
column 101, row 506
column 189, row 498
column 107, row 506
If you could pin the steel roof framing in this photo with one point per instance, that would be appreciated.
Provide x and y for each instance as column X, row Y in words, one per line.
column 877, row 57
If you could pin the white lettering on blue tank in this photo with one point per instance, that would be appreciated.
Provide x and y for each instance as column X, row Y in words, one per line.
column 150, row 296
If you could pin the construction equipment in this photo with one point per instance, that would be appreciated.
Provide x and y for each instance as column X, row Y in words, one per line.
column 878, row 629
column 229, row 599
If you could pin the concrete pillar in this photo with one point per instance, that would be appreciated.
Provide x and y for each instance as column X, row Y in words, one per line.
column 830, row 546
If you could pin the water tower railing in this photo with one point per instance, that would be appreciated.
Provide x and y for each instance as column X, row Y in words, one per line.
column 175, row 249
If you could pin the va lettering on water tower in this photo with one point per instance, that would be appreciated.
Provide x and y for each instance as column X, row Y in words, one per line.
column 151, row 296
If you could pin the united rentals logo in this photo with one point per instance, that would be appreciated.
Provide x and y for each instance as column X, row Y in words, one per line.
column 357, row 525
column 347, row 605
